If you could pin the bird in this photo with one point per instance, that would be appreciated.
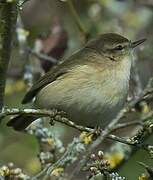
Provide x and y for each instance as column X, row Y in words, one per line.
column 90, row 86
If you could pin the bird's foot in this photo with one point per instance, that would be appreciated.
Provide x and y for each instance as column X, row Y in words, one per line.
column 89, row 137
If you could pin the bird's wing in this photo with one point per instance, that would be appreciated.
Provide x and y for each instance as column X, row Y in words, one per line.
column 77, row 58
column 43, row 81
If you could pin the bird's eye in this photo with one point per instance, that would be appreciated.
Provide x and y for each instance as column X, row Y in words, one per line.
column 119, row 47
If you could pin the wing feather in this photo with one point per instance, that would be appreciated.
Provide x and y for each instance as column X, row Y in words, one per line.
column 77, row 58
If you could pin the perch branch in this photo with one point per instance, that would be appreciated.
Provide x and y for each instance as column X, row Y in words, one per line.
column 57, row 116
column 104, row 134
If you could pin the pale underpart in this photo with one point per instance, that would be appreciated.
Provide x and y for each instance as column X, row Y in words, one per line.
column 89, row 96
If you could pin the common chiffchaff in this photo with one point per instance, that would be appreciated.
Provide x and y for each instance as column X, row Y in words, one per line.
column 90, row 86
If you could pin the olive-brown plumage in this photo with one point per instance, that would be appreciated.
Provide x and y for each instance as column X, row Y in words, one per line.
column 90, row 86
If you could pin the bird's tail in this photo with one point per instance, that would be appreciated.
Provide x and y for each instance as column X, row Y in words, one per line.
column 19, row 123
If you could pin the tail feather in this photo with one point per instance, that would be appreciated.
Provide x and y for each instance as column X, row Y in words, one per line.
column 19, row 123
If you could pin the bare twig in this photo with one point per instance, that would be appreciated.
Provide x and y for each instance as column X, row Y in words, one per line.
column 77, row 19
column 73, row 150
column 127, row 124
column 43, row 56
column 99, row 140
column 70, row 156
column 57, row 115
column 21, row 3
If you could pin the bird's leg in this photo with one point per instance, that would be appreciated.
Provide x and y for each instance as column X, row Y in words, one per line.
column 89, row 137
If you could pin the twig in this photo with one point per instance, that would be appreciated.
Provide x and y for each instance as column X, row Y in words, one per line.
column 44, row 113
column 64, row 159
column 73, row 150
column 57, row 116
column 42, row 56
column 126, row 124
column 21, row 3
column 14, row 111
column 41, row 173
column 148, row 169
column 99, row 140
column 70, row 156
column 77, row 19
column 139, row 138
column 104, row 134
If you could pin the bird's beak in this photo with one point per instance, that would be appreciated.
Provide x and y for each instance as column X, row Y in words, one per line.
column 136, row 43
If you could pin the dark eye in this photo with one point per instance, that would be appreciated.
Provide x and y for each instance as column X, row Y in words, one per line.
column 119, row 47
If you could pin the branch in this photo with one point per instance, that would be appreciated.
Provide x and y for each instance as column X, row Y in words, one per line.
column 53, row 114
column 72, row 152
column 95, row 144
column 126, row 124
column 57, row 116
column 8, row 22
column 21, row 3
column 70, row 156
column 42, row 56
column 49, row 145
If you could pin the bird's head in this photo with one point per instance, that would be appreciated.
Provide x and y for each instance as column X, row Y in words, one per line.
column 113, row 46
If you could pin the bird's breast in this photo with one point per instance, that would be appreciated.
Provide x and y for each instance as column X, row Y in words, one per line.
column 86, row 93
